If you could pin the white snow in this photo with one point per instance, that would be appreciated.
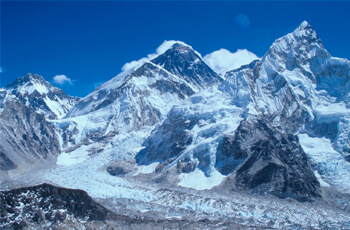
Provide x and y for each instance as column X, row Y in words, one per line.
column 72, row 158
column 330, row 165
column 199, row 181
column 77, row 156
column 58, row 107
column 30, row 87
column 89, row 172
column 319, row 178
column 146, row 169
column 328, row 112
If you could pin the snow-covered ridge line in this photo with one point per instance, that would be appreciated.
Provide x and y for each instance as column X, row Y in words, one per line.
column 166, row 45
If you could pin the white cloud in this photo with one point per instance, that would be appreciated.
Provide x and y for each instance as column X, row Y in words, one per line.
column 135, row 64
column 160, row 50
column 62, row 79
column 1, row 70
column 223, row 60
column 167, row 44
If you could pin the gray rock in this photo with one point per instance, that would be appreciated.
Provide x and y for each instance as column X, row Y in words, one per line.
column 275, row 163
column 27, row 140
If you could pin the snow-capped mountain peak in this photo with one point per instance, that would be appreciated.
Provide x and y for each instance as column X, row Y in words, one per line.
column 181, row 47
column 177, row 50
column 168, row 45
column 305, row 29
column 302, row 42
column 34, row 91
column 183, row 61
column 28, row 84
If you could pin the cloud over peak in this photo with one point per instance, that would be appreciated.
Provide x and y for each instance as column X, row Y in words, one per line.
column 62, row 79
column 223, row 60
column 160, row 50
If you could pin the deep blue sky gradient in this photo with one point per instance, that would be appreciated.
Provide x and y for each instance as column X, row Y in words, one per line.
column 90, row 41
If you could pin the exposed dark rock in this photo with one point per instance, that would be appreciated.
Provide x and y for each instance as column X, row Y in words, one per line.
column 166, row 85
column 328, row 130
column 26, row 137
column 230, row 154
column 168, row 141
column 5, row 162
column 183, row 61
column 47, row 204
column 275, row 162
column 120, row 168
column 185, row 166
column 347, row 158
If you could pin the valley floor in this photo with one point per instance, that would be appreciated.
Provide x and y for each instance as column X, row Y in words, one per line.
column 177, row 207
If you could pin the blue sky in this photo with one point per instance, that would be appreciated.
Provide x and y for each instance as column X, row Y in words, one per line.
column 89, row 42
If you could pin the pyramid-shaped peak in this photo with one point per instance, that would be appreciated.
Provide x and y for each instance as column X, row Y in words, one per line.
column 305, row 30
column 303, row 43
column 31, row 83
column 172, row 46
column 181, row 46
column 31, row 76
column 181, row 60
column 304, row 25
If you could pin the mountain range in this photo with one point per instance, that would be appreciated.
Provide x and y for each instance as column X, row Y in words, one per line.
column 265, row 145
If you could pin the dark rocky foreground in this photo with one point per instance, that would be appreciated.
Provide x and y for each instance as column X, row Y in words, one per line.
column 49, row 207
column 46, row 205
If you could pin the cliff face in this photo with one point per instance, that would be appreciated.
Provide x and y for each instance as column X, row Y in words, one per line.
column 28, row 140
column 273, row 162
